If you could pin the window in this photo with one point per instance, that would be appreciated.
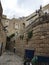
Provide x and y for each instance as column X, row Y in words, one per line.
column 16, row 33
column 7, row 23
column 6, row 28
column 23, row 25
column 16, row 26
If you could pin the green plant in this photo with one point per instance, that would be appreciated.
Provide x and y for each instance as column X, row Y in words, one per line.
column 21, row 37
column 30, row 34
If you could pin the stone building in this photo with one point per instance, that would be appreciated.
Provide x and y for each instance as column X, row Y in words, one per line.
column 37, row 25
column 13, row 25
column 40, row 32
column 18, row 31
column 2, row 33
column 5, row 22
column 14, row 28
column 33, row 16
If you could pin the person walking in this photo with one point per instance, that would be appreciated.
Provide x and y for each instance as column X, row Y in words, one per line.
column 14, row 49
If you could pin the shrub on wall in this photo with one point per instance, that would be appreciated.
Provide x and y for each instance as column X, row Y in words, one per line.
column 21, row 37
column 30, row 34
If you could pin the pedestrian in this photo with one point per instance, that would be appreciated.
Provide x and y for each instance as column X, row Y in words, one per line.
column 34, row 60
column 25, row 62
column 14, row 49
column 30, row 63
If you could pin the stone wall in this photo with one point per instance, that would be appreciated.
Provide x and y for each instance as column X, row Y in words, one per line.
column 2, row 38
column 2, row 33
column 39, row 41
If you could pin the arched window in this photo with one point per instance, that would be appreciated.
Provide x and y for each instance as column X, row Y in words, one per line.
column 23, row 25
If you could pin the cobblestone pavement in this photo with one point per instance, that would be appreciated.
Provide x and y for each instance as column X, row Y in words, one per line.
column 9, row 58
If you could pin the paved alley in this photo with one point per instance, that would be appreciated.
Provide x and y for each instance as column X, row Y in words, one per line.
column 9, row 58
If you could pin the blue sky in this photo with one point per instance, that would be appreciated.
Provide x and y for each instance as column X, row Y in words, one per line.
column 19, row 8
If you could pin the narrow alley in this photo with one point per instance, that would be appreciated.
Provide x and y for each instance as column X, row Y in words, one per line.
column 9, row 58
